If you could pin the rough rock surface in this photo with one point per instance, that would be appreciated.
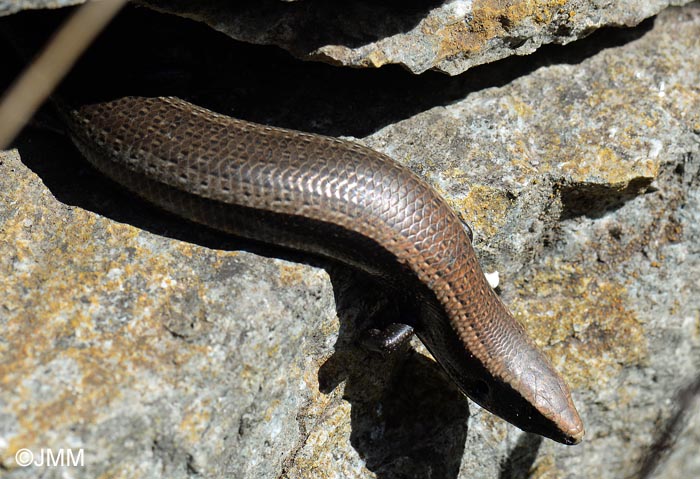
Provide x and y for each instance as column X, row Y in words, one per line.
column 450, row 36
column 164, row 350
column 8, row 7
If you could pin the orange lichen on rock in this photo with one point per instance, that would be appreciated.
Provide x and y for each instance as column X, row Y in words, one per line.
column 491, row 19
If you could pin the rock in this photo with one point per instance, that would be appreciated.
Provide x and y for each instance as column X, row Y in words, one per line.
column 419, row 35
column 8, row 7
column 143, row 346
column 163, row 350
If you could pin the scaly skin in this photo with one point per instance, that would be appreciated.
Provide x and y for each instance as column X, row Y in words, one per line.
column 345, row 201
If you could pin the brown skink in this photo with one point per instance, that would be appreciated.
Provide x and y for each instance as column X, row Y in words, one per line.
column 342, row 200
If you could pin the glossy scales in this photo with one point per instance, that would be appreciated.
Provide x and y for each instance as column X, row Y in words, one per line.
column 343, row 200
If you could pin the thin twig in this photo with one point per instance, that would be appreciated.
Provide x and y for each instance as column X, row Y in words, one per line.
column 40, row 78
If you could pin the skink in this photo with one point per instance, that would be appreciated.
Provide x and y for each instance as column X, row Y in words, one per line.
column 342, row 200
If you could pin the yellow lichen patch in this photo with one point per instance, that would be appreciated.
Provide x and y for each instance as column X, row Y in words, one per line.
column 521, row 108
column 130, row 470
column 187, row 249
column 310, row 376
column 318, row 402
column 291, row 274
column 269, row 413
column 545, row 468
column 491, row 19
column 377, row 58
column 606, row 167
column 321, row 454
column 616, row 141
column 485, row 207
column 102, row 372
column 496, row 426
column 195, row 421
column 64, row 355
column 526, row 163
column 582, row 321
column 273, row 350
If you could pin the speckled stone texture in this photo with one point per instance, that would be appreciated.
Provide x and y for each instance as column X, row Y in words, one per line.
column 165, row 350
column 8, row 7
column 450, row 36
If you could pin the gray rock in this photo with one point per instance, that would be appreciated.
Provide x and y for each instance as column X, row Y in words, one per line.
column 163, row 350
column 419, row 36
column 450, row 36
column 8, row 7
